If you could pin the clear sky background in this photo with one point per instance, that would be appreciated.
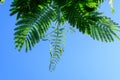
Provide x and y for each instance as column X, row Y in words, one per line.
column 83, row 59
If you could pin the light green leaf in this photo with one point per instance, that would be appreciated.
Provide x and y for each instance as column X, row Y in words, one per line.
column 111, row 2
column 2, row 1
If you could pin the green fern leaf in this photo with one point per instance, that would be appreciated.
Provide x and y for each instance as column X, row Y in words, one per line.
column 56, row 48
column 32, row 28
column 93, row 23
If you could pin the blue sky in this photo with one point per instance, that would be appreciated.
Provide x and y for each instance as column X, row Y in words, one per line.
column 83, row 59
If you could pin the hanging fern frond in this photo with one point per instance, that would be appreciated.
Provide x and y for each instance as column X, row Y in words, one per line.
column 57, row 40
column 56, row 46
column 33, row 27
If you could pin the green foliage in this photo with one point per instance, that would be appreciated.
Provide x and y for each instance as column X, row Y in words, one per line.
column 56, row 46
column 103, row 30
column 36, row 16
column 2, row 1
column 25, row 7
column 111, row 2
column 94, row 24
column 32, row 28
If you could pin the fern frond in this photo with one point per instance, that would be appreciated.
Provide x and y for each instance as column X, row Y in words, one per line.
column 57, row 42
column 102, row 28
column 23, row 7
column 105, row 30
column 33, row 27
column 97, row 26
column 56, row 46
